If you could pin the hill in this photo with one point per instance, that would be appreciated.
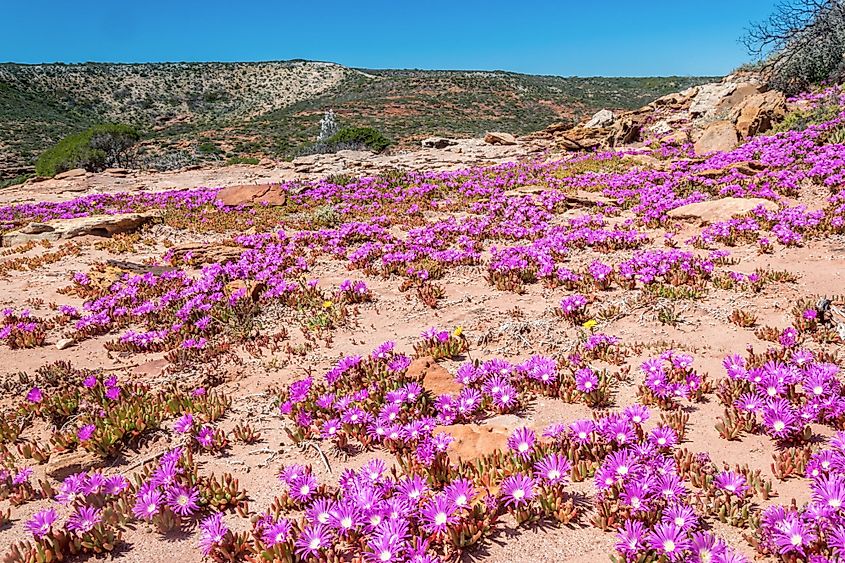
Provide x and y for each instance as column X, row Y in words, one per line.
column 201, row 111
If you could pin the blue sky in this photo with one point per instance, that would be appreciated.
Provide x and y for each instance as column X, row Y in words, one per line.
column 584, row 38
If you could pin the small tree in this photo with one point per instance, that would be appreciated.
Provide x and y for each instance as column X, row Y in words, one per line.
column 328, row 127
column 94, row 149
column 800, row 44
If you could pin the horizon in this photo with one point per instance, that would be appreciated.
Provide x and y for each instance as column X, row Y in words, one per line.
column 398, row 69
column 565, row 39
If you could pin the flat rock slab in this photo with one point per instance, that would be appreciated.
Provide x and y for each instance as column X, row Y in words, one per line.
column 723, row 209
column 251, row 194
column 97, row 225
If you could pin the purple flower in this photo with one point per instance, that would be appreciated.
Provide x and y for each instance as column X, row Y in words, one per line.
column 663, row 437
column 779, row 418
column 22, row 476
column 681, row 515
column 460, row 493
column 521, row 442
column 438, row 513
column 277, row 532
column 705, row 547
column 669, row 540
column 115, row 485
column 183, row 500
column 345, row 517
column 148, row 504
column 41, row 522
column 733, row 483
column 554, row 468
column 636, row 414
column 829, row 491
column 312, row 540
column 35, row 395
column 212, row 532
column 385, row 548
column 792, row 536
column 630, row 538
column 205, row 436
column 86, row 432
column 302, row 488
column 582, row 431
column 586, row 380
column 517, row 489
column 83, row 519
column 184, row 423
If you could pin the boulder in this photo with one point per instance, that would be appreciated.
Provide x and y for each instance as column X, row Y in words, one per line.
column 64, row 343
column 251, row 288
column 497, row 138
column 709, row 96
column 742, row 91
column 251, row 194
column 625, row 131
column 116, row 171
column 97, row 225
column 437, row 143
column 718, row 136
column 602, row 118
column 70, row 174
column 581, row 138
column 715, row 210
column 583, row 198
column 472, row 441
column 206, row 253
column 64, row 464
column 747, row 168
column 756, row 114
column 433, row 376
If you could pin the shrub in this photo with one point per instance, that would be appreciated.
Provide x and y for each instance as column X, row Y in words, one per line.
column 241, row 160
column 798, row 120
column 802, row 42
column 94, row 149
column 208, row 147
column 362, row 136
column 15, row 181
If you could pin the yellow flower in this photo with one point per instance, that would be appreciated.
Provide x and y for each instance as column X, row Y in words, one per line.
column 590, row 324
column 459, row 331
column 327, row 304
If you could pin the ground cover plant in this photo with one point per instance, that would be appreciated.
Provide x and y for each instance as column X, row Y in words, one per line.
column 439, row 366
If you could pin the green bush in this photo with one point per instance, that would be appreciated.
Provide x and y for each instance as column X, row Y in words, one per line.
column 208, row 147
column 94, row 149
column 242, row 160
column 15, row 181
column 366, row 136
column 799, row 120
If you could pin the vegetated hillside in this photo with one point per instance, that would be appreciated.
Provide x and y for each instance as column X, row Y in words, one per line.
column 273, row 108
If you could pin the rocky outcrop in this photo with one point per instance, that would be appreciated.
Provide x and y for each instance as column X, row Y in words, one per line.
column 718, row 136
column 69, row 174
column 97, row 225
column 602, row 118
column 498, row 138
column 204, row 253
column 758, row 113
column 437, row 143
column 711, row 211
column 715, row 116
